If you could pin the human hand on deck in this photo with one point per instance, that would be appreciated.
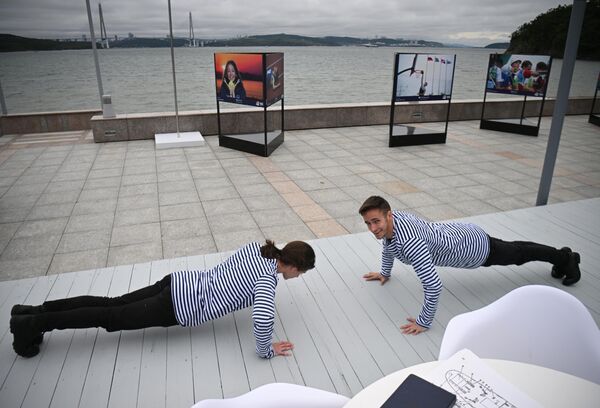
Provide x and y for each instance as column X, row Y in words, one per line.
column 412, row 327
column 376, row 276
column 281, row 348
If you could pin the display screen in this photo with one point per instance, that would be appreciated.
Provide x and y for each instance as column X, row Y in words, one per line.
column 422, row 77
column 274, row 77
column 239, row 78
column 518, row 74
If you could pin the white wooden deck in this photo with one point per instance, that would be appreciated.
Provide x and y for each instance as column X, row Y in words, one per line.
column 345, row 330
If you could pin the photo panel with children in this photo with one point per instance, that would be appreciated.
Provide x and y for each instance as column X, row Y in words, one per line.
column 518, row 74
column 422, row 77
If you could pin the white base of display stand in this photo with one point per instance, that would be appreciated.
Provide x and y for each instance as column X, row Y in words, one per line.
column 181, row 139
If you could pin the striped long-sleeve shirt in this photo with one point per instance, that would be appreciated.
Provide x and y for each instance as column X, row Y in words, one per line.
column 242, row 280
column 424, row 245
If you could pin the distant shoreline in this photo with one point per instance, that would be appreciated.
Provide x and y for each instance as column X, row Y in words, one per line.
column 13, row 43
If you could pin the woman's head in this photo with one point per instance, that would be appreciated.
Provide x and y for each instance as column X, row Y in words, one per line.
column 296, row 255
column 231, row 72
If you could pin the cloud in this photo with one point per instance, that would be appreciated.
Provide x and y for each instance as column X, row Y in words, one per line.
column 473, row 21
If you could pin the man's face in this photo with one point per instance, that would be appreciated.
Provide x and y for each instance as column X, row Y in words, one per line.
column 379, row 223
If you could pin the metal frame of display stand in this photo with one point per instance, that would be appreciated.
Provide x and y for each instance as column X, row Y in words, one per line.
column 261, row 144
column 514, row 125
column 594, row 118
column 404, row 135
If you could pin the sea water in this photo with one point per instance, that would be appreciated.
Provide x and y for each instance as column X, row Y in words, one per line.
column 140, row 79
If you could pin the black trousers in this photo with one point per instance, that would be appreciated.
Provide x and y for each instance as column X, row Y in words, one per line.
column 147, row 307
column 520, row 252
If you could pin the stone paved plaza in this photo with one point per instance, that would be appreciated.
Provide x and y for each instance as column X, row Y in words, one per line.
column 68, row 204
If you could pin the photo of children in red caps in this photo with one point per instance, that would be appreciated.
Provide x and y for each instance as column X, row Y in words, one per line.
column 518, row 74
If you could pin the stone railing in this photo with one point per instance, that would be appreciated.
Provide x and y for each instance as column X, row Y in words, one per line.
column 250, row 120
column 46, row 122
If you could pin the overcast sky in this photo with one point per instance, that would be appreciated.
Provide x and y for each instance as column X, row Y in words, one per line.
column 472, row 22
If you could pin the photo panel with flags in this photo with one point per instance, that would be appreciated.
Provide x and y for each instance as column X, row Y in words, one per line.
column 423, row 77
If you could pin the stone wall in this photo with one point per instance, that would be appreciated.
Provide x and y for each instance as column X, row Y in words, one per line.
column 250, row 120
column 247, row 120
column 46, row 122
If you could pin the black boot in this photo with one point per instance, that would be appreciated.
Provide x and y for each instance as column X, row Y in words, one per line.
column 559, row 271
column 25, row 335
column 26, row 309
column 572, row 272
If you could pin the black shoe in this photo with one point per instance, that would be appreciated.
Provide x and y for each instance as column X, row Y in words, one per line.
column 25, row 336
column 573, row 274
column 25, row 310
column 559, row 271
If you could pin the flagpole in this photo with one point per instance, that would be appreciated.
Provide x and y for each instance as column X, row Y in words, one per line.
column 432, row 78
column 425, row 73
column 439, row 76
column 444, row 62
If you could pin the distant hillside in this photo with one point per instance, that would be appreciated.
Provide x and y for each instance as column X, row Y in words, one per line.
column 503, row 45
column 10, row 42
column 147, row 43
column 547, row 33
column 288, row 40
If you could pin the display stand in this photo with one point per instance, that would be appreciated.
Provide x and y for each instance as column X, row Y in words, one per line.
column 595, row 117
column 520, row 125
column 261, row 143
column 405, row 135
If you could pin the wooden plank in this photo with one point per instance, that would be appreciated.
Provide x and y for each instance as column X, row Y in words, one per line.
column 205, row 364
column 126, row 377
column 258, row 369
column 340, row 369
column 6, row 288
column 583, row 214
column 18, row 380
column 401, row 297
column 582, row 244
column 56, row 343
column 341, row 326
column 518, row 225
column 350, row 268
column 342, row 311
column 564, row 232
column 73, row 375
column 180, row 383
column 19, row 290
column 540, row 270
column 285, row 369
column 234, row 378
column 587, row 292
column 96, row 390
column 153, row 387
column 307, row 354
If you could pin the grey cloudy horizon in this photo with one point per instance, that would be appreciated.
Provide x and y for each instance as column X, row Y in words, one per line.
column 469, row 22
